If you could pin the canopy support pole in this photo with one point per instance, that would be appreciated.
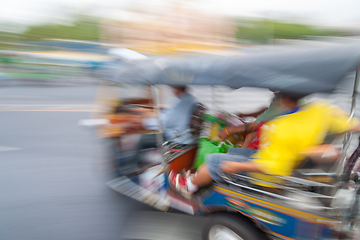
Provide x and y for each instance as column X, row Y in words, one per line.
column 347, row 138
column 159, row 135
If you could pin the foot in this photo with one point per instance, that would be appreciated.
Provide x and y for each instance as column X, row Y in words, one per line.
column 179, row 183
column 190, row 173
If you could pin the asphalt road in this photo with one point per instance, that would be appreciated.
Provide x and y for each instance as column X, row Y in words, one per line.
column 49, row 183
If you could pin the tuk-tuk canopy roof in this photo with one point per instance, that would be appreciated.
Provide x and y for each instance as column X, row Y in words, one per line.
column 301, row 70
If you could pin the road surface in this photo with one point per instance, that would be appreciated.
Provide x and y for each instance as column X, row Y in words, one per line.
column 49, row 183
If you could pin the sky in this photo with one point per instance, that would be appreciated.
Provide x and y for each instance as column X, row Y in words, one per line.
column 335, row 13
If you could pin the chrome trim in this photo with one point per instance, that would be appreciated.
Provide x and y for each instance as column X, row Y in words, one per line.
column 327, row 174
column 305, row 182
column 285, row 188
column 274, row 195
column 291, row 179
column 258, row 190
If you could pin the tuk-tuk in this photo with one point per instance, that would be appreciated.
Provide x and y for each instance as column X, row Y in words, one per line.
column 310, row 204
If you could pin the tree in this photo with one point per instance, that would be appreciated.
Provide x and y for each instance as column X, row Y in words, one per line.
column 83, row 28
column 261, row 31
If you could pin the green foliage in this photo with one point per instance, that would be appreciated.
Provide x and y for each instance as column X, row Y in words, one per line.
column 262, row 31
column 7, row 40
column 83, row 28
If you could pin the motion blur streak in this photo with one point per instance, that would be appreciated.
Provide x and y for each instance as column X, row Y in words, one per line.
column 54, row 54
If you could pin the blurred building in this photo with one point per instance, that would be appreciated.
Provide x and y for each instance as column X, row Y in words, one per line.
column 177, row 27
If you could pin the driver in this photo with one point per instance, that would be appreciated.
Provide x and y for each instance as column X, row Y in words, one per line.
column 175, row 120
column 285, row 142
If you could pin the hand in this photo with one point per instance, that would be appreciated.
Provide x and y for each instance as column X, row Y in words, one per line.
column 229, row 167
column 223, row 135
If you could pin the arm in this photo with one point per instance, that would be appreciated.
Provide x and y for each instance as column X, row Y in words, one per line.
column 253, row 114
column 356, row 128
column 323, row 153
column 248, row 139
column 226, row 132
column 327, row 152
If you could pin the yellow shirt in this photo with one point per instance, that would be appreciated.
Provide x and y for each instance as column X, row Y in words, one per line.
column 283, row 138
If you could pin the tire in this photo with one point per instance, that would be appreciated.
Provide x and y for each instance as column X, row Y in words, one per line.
column 228, row 226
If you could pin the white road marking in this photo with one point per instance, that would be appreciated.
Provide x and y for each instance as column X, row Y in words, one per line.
column 49, row 108
column 6, row 148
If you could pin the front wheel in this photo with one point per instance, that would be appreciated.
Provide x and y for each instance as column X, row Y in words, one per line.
column 231, row 227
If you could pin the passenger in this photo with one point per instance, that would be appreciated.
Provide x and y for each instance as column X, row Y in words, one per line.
column 286, row 141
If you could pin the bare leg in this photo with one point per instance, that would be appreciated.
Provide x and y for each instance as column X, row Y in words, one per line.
column 203, row 177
